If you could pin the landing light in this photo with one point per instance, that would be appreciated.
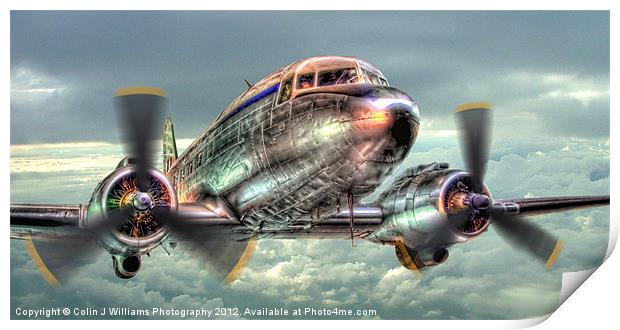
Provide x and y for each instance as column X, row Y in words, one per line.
column 378, row 117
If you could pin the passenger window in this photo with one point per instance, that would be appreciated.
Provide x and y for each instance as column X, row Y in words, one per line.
column 285, row 91
column 337, row 77
column 305, row 81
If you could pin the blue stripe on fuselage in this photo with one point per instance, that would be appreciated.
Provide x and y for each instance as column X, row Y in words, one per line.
column 252, row 100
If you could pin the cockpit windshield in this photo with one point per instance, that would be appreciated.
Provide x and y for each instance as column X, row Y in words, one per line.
column 316, row 76
column 374, row 79
column 337, row 77
column 285, row 91
column 305, row 80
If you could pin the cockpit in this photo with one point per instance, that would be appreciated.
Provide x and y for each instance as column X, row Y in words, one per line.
column 313, row 73
column 327, row 71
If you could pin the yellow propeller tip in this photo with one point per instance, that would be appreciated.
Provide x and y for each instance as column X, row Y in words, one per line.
column 38, row 261
column 473, row 105
column 245, row 257
column 554, row 254
column 142, row 90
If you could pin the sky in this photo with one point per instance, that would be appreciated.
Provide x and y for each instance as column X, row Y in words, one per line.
column 547, row 74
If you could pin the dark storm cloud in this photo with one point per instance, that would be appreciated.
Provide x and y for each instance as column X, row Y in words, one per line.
column 66, row 65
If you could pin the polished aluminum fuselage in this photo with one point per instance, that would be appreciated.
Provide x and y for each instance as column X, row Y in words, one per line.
column 286, row 167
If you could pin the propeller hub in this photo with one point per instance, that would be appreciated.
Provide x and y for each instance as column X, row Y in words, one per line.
column 142, row 201
column 479, row 201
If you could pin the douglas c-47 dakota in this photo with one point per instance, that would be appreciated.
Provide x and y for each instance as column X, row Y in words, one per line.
column 292, row 157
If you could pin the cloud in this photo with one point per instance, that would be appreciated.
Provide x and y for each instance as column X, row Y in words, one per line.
column 441, row 58
column 30, row 87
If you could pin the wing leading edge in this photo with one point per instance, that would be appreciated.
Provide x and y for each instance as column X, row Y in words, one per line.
column 544, row 205
column 45, row 220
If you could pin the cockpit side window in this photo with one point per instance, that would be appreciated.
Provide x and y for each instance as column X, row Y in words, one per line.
column 374, row 78
column 366, row 75
column 337, row 77
column 305, row 80
column 285, row 91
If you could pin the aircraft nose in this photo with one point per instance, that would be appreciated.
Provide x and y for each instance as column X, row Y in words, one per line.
column 401, row 131
column 383, row 129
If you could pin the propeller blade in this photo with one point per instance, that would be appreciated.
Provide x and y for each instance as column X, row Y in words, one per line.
column 179, row 224
column 526, row 235
column 224, row 258
column 445, row 232
column 139, row 111
column 174, row 222
column 64, row 257
column 101, row 224
column 458, row 220
column 60, row 260
column 473, row 120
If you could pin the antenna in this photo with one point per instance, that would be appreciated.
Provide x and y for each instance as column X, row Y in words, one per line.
column 350, row 202
column 247, row 83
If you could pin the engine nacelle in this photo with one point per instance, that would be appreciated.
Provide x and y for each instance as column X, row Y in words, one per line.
column 417, row 206
column 141, row 231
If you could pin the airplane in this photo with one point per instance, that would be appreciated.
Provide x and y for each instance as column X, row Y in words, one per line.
column 290, row 158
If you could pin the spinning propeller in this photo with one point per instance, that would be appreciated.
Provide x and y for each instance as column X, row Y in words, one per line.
column 474, row 120
column 140, row 111
column 135, row 207
column 132, row 200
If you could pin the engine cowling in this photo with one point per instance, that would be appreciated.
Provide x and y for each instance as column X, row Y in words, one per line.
column 418, row 205
column 141, row 231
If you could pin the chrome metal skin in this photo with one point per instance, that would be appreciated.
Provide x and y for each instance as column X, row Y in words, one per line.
column 54, row 214
column 276, row 164
column 367, row 219
column 544, row 205
column 44, row 221
column 416, row 210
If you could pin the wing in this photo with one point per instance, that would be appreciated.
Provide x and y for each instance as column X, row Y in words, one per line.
column 51, row 235
column 543, row 205
column 45, row 220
